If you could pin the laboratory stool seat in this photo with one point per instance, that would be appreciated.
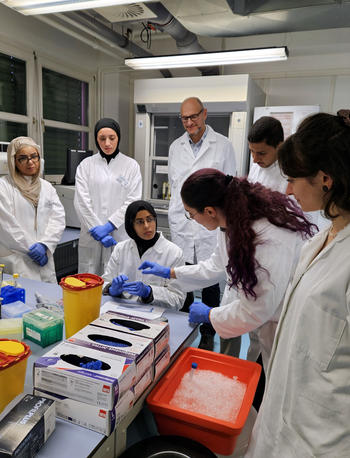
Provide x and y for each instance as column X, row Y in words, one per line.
column 167, row 447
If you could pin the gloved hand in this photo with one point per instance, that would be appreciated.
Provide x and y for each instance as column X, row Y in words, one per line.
column 116, row 287
column 37, row 251
column 137, row 288
column 149, row 267
column 99, row 232
column 199, row 313
column 43, row 260
column 108, row 241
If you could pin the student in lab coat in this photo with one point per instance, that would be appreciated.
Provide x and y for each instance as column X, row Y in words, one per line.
column 122, row 273
column 200, row 146
column 32, row 217
column 258, row 246
column 264, row 137
column 306, row 409
column 105, row 184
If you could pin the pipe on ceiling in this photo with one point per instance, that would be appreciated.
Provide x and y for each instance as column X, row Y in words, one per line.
column 186, row 41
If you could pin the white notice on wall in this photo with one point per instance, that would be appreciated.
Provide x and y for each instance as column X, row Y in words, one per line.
column 162, row 169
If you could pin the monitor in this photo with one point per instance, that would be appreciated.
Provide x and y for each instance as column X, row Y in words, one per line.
column 74, row 157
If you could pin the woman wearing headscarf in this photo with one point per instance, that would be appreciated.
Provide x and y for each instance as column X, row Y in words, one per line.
column 122, row 273
column 105, row 184
column 32, row 217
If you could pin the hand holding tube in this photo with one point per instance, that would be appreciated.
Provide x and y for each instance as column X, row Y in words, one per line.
column 116, row 287
column 149, row 267
column 137, row 288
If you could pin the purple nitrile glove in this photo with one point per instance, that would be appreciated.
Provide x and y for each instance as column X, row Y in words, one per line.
column 116, row 287
column 99, row 232
column 149, row 267
column 108, row 241
column 37, row 251
column 137, row 288
column 199, row 313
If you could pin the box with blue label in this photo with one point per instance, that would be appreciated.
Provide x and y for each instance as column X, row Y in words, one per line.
column 85, row 374
column 91, row 417
column 157, row 330
column 111, row 342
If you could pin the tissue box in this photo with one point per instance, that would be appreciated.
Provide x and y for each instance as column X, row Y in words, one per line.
column 139, row 349
column 27, row 427
column 161, row 362
column 158, row 331
column 59, row 372
column 91, row 417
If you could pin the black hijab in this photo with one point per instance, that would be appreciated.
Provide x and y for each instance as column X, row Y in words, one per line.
column 107, row 122
column 130, row 215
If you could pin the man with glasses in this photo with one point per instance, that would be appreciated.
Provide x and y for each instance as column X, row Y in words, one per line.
column 199, row 147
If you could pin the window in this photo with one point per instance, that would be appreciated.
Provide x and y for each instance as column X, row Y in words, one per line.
column 66, row 118
column 13, row 98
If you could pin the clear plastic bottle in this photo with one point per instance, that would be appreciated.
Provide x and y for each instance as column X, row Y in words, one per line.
column 15, row 281
column 193, row 369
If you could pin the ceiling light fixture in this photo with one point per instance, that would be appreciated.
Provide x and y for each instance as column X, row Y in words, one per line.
column 205, row 59
column 29, row 7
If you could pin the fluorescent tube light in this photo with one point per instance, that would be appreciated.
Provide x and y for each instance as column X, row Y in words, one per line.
column 29, row 7
column 205, row 59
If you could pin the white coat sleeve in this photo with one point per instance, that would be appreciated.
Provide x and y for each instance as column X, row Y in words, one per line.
column 82, row 198
column 57, row 222
column 13, row 236
column 203, row 274
column 134, row 193
column 172, row 294
column 246, row 314
column 230, row 165
column 112, row 269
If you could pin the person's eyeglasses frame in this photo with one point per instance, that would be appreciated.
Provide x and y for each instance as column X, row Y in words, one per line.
column 35, row 157
column 142, row 222
column 189, row 216
column 192, row 117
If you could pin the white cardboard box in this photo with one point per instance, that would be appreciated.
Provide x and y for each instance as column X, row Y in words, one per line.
column 138, row 349
column 92, row 417
column 156, row 330
column 161, row 362
column 58, row 371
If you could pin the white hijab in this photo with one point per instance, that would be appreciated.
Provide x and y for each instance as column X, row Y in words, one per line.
column 28, row 186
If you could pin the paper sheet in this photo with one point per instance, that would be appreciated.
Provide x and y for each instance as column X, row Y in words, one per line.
column 148, row 311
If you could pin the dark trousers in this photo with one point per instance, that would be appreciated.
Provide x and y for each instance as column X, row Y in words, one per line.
column 261, row 386
column 210, row 297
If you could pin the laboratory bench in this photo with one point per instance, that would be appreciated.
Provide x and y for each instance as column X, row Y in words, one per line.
column 70, row 440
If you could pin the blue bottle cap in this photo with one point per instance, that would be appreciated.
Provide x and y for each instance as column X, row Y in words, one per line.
column 194, row 365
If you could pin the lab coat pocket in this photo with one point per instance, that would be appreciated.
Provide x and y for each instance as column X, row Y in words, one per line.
column 321, row 331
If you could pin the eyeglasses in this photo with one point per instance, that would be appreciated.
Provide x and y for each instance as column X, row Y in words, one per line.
column 26, row 159
column 192, row 117
column 189, row 216
column 142, row 222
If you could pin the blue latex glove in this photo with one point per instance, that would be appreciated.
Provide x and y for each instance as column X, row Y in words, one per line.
column 108, row 241
column 199, row 313
column 149, row 267
column 137, row 288
column 116, row 287
column 99, row 232
column 37, row 251
column 43, row 260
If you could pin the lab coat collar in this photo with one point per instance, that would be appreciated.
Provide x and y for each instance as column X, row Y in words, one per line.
column 157, row 247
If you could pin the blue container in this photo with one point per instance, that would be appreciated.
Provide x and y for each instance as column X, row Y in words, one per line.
column 12, row 294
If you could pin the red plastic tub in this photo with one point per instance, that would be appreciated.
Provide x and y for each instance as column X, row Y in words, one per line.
column 219, row 436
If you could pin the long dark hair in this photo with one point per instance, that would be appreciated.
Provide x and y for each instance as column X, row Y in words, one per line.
column 243, row 203
column 321, row 142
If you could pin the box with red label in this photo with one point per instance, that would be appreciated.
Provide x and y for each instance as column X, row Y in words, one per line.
column 85, row 374
column 111, row 342
column 157, row 330
column 92, row 417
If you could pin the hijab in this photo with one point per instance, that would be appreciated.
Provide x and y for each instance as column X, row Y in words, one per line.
column 111, row 124
column 28, row 186
column 130, row 215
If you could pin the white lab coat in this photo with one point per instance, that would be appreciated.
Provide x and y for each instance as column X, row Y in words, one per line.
column 278, row 254
column 22, row 225
column 126, row 260
column 270, row 177
column 216, row 152
column 102, row 193
column 306, row 408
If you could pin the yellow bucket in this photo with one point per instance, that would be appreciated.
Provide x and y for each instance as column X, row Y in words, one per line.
column 82, row 295
column 13, row 365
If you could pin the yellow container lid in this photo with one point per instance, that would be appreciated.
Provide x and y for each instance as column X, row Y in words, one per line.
column 11, row 352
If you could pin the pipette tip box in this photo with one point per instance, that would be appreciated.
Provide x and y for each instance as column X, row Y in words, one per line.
column 43, row 327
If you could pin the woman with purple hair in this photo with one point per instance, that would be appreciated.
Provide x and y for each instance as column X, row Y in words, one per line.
column 260, row 237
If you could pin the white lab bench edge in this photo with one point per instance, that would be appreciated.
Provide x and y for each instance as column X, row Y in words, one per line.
column 72, row 440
